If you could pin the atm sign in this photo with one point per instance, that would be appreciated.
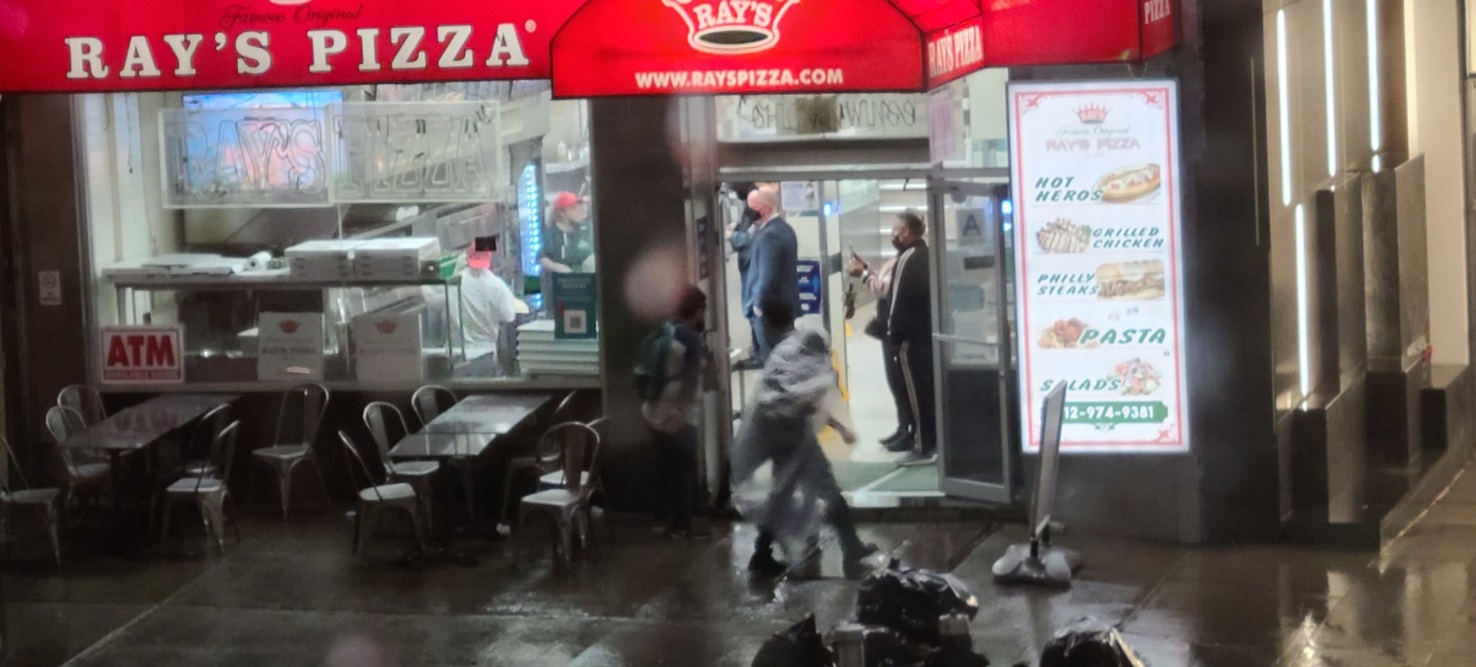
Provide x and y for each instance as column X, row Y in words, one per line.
column 142, row 355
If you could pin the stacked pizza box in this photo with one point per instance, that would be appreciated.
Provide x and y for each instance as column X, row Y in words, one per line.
column 540, row 353
column 321, row 261
column 394, row 259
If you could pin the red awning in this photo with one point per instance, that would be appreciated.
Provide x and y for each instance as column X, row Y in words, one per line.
column 1061, row 32
column 588, row 47
column 119, row 45
column 661, row 47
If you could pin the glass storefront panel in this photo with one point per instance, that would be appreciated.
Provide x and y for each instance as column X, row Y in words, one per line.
column 386, row 235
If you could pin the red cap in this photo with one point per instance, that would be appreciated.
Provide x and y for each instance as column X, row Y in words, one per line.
column 478, row 260
column 564, row 200
column 479, row 253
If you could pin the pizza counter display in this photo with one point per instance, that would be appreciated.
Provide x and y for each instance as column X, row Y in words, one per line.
column 398, row 330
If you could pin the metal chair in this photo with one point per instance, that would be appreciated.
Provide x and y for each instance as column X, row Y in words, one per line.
column 547, row 461
column 569, row 506
column 555, row 479
column 63, row 423
column 287, row 452
column 85, row 401
column 208, row 491
column 202, row 441
column 430, row 401
column 376, row 498
column 44, row 502
column 418, row 474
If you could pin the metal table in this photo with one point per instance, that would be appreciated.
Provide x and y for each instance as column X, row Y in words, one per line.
column 144, row 424
column 135, row 429
column 467, row 431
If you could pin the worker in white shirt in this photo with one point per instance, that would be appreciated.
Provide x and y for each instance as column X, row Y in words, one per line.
column 486, row 301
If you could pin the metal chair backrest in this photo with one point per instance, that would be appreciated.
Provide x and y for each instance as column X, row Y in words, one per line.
column 63, row 423
column 14, row 464
column 549, row 453
column 355, row 458
column 208, row 429
column 430, row 401
column 222, row 452
column 377, row 417
column 563, row 413
column 601, row 428
column 311, row 405
column 575, row 441
column 85, row 401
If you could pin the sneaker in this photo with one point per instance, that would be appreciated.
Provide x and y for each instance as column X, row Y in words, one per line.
column 903, row 445
column 918, row 459
column 764, row 563
column 867, row 550
column 855, row 565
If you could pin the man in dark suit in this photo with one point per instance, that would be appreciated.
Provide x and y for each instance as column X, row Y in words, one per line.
column 773, row 267
column 910, row 330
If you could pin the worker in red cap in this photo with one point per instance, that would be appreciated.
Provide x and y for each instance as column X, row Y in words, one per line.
column 487, row 303
column 568, row 241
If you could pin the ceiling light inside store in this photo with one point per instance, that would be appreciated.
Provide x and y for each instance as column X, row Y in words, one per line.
column 1284, row 104
column 1304, row 348
column 1330, row 88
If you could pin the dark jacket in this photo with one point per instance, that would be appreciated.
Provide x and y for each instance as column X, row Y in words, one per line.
column 910, row 318
column 742, row 239
column 774, row 267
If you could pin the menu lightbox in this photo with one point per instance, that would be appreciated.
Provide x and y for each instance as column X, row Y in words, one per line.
column 1098, row 224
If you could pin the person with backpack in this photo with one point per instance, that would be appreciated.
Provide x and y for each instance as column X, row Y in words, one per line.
column 673, row 364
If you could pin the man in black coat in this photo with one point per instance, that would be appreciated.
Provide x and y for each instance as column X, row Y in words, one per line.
column 910, row 330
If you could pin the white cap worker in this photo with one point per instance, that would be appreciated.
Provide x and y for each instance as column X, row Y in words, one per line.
column 487, row 301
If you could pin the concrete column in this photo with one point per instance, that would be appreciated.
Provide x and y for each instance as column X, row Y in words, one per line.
column 46, row 344
column 639, row 205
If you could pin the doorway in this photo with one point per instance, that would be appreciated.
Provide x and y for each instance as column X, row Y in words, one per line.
column 975, row 340
column 833, row 218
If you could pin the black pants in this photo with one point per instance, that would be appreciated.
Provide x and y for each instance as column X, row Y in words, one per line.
column 821, row 483
column 897, row 382
column 917, row 364
column 678, row 455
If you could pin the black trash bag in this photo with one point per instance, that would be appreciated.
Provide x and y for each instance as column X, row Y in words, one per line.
column 912, row 601
column 886, row 647
column 1089, row 643
column 799, row 646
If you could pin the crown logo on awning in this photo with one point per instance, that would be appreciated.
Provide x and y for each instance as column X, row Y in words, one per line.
column 732, row 27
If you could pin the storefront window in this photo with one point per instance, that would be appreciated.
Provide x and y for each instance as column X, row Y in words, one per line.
column 379, row 235
column 969, row 127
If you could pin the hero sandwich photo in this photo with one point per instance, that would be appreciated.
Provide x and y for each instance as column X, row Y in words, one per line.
column 1136, row 280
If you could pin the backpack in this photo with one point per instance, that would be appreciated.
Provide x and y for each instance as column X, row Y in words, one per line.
column 651, row 366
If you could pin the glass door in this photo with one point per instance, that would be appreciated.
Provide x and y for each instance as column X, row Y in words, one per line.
column 973, row 343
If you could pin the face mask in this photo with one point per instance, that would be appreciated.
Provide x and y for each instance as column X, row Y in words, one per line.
column 898, row 244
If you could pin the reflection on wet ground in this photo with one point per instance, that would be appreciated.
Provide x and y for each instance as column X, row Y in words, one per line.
column 291, row 594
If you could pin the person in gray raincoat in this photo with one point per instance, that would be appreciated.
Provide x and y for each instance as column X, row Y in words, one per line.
column 797, row 394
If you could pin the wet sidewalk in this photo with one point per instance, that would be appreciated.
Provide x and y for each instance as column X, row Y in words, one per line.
column 291, row 594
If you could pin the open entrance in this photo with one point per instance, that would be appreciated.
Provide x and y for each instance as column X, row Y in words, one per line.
column 956, row 387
